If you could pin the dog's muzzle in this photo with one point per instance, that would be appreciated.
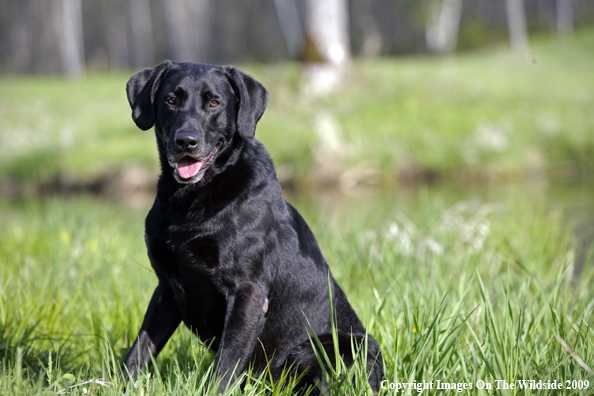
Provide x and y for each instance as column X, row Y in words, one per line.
column 188, row 168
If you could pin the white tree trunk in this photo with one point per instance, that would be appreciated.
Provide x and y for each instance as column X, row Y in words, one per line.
column 68, row 17
column 443, row 26
column 142, row 33
column 188, row 28
column 564, row 16
column 517, row 28
column 328, row 37
column 327, row 27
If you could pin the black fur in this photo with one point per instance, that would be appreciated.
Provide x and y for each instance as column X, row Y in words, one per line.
column 236, row 263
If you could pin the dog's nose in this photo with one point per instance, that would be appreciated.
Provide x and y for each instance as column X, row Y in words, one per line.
column 185, row 140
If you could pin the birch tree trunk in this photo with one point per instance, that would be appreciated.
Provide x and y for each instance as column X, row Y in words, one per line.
column 517, row 29
column 142, row 33
column 328, row 56
column 68, row 18
column 327, row 46
column 443, row 25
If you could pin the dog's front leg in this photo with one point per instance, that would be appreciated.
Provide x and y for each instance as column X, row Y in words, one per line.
column 160, row 321
column 244, row 319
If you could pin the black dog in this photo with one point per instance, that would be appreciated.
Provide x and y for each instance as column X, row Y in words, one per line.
column 236, row 263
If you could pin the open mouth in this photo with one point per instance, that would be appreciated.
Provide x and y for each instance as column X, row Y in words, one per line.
column 189, row 170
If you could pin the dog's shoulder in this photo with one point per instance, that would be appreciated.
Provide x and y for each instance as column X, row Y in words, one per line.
column 256, row 154
column 255, row 173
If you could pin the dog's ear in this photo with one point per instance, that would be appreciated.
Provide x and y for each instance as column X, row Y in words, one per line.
column 141, row 90
column 252, row 97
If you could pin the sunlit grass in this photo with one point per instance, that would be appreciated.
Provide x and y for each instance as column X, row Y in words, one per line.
column 456, row 291
column 474, row 115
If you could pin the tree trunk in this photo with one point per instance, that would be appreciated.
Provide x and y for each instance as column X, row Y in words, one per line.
column 117, row 35
column 142, row 33
column 327, row 47
column 372, row 43
column 177, row 28
column 45, row 16
column 443, row 25
column 68, row 17
column 564, row 17
column 517, row 28
column 188, row 29
column 288, row 17
column 20, row 38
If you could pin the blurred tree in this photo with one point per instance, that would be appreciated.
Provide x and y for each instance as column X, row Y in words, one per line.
column 327, row 46
column 64, row 36
column 44, row 43
column 564, row 16
column 142, row 33
column 371, row 40
column 443, row 26
column 21, row 37
column 188, row 29
column 115, row 22
column 68, row 24
column 328, row 62
column 517, row 28
column 288, row 17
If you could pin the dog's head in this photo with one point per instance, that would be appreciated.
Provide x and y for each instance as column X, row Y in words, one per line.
column 197, row 110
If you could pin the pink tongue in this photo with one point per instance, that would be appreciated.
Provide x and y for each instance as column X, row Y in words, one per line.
column 187, row 167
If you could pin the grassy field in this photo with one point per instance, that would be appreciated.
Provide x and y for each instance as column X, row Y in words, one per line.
column 457, row 291
column 478, row 115
column 458, row 286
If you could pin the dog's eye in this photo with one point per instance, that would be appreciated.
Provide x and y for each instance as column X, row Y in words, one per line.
column 214, row 103
column 171, row 101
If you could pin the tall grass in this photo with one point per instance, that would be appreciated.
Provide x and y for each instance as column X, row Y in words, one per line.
column 455, row 291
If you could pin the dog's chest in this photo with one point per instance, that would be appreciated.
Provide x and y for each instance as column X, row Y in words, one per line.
column 186, row 252
column 191, row 270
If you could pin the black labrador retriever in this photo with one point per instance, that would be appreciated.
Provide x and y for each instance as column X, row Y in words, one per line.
column 236, row 263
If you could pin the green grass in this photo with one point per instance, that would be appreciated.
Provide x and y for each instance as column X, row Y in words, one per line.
column 456, row 291
column 52, row 126
column 477, row 115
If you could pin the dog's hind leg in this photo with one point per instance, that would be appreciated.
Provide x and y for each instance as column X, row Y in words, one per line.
column 306, row 361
